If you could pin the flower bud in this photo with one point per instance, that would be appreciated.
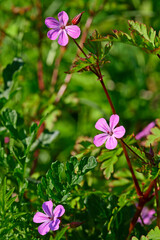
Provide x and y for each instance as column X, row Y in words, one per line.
column 75, row 224
column 77, row 18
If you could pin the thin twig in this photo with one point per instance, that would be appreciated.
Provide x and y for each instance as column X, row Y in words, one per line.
column 68, row 76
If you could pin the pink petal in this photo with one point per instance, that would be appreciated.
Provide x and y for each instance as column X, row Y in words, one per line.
column 145, row 131
column 52, row 23
column 73, row 31
column 48, row 208
column 58, row 211
column 119, row 132
column 53, row 34
column 111, row 143
column 100, row 139
column 102, row 125
column 40, row 217
column 63, row 38
column 54, row 225
column 114, row 120
column 63, row 18
column 44, row 228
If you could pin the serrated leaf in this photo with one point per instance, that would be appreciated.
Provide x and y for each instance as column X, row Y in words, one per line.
column 140, row 36
column 143, row 31
column 82, row 64
column 140, row 154
column 154, row 234
column 154, row 137
column 109, row 158
column 94, row 47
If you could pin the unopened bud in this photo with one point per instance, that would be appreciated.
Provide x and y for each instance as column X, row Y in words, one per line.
column 77, row 18
column 75, row 224
column 151, row 151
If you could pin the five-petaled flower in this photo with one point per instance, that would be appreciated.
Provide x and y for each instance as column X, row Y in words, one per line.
column 60, row 29
column 50, row 220
column 110, row 133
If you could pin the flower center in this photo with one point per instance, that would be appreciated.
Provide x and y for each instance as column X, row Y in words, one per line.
column 62, row 27
column 110, row 133
column 51, row 218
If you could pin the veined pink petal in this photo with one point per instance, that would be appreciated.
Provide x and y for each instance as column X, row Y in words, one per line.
column 111, row 142
column 63, row 38
column 54, row 225
column 40, row 217
column 52, row 23
column 100, row 139
column 119, row 132
column 114, row 120
column 102, row 125
column 48, row 208
column 53, row 34
column 44, row 228
column 63, row 18
column 73, row 31
column 58, row 211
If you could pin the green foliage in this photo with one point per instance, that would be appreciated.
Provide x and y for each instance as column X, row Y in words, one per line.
column 8, row 73
column 97, row 55
column 108, row 159
column 154, row 137
column 152, row 235
column 47, row 115
column 139, row 36
column 58, row 183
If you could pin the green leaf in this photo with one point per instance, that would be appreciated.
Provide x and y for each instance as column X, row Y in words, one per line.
column 46, row 138
column 82, row 64
column 154, row 137
column 86, row 164
column 154, row 234
column 58, row 183
column 10, row 70
column 140, row 36
column 61, row 233
column 140, row 154
column 109, row 158
column 9, row 118
column 94, row 47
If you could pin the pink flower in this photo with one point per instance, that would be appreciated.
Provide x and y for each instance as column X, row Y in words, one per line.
column 146, row 131
column 60, row 29
column 110, row 133
column 147, row 216
column 50, row 220
column 6, row 140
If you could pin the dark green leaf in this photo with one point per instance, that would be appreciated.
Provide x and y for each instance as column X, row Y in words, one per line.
column 10, row 70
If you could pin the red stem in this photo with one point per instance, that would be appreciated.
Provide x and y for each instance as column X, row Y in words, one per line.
column 157, row 202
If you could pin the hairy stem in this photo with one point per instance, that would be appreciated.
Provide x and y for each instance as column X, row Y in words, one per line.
column 132, row 150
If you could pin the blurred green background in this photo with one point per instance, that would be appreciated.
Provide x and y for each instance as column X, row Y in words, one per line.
column 132, row 77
